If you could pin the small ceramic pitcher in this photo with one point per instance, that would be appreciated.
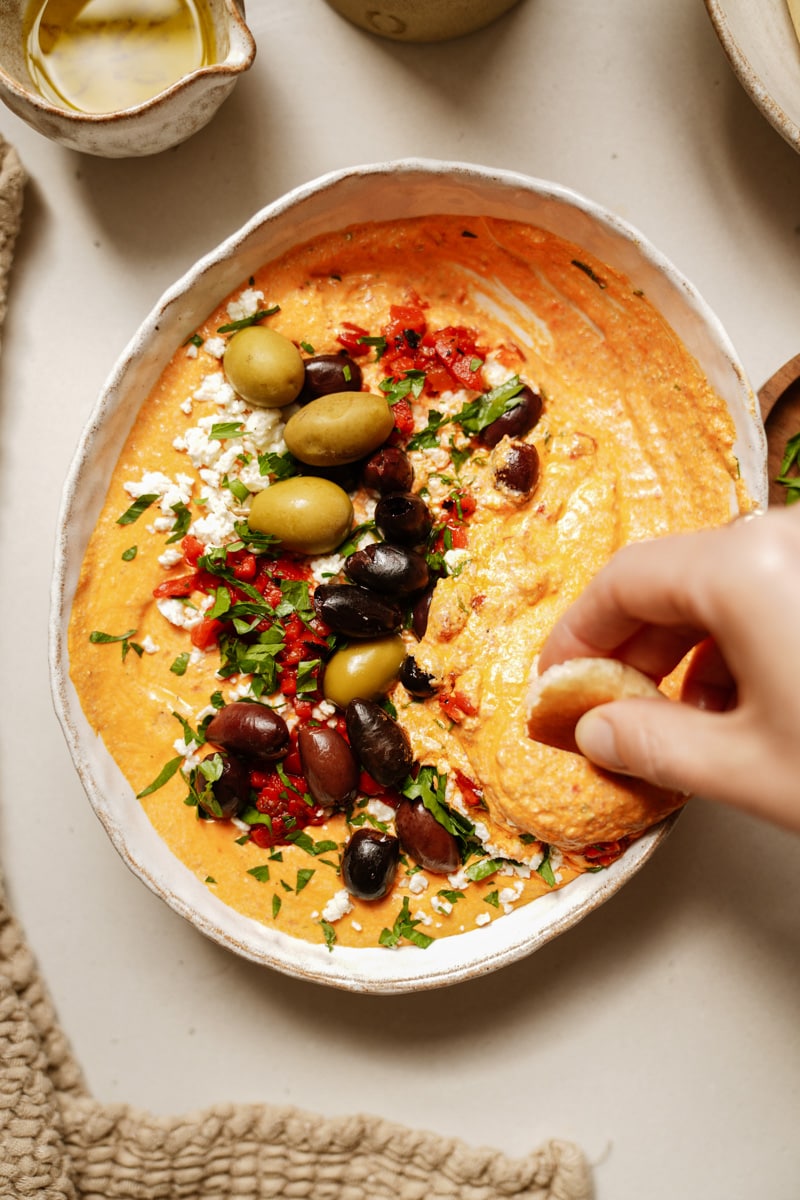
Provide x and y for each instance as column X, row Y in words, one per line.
column 169, row 117
column 421, row 20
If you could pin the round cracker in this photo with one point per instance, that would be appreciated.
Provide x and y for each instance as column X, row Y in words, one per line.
column 559, row 697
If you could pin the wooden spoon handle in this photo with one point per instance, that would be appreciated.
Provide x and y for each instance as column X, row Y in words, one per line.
column 779, row 400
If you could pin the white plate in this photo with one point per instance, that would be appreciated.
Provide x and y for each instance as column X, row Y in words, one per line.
column 376, row 192
column 759, row 39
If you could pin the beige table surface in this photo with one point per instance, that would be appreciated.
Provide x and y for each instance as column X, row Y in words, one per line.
column 661, row 1034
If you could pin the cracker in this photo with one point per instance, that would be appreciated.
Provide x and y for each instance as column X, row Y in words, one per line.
column 558, row 698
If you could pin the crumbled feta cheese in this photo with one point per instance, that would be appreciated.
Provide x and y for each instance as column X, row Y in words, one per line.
column 151, row 481
column 483, row 918
column 380, row 811
column 171, row 557
column 191, row 350
column 324, row 567
column 186, row 406
column 216, row 388
column 418, row 883
column 323, row 710
column 458, row 880
column 148, row 645
column 183, row 616
column 455, row 560
column 338, row 906
column 246, row 303
column 494, row 373
column 423, row 917
column 508, row 896
column 215, row 346
column 441, row 905
column 357, row 926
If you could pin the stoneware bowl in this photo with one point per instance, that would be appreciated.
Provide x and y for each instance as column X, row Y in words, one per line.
column 382, row 191
column 763, row 48
column 422, row 20
column 167, row 119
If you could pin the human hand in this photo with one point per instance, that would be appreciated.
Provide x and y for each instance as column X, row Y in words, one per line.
column 732, row 594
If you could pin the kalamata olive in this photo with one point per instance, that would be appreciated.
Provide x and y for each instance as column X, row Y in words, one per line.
column 329, row 765
column 308, row 514
column 326, row 373
column 264, row 367
column 366, row 669
column 416, row 681
column 230, row 792
column 369, row 863
column 250, row 729
column 403, row 517
column 419, row 615
column 383, row 747
column 425, row 840
column 517, row 421
column 384, row 568
column 388, row 470
column 355, row 611
column 339, row 428
column 515, row 466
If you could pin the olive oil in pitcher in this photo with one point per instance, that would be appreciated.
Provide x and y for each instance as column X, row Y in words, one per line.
column 99, row 56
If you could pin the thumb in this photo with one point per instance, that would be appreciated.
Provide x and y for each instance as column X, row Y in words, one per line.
column 667, row 743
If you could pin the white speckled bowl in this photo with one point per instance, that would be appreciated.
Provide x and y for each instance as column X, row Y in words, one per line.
column 762, row 46
column 165, row 120
column 382, row 191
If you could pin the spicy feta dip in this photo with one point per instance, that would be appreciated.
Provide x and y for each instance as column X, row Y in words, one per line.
column 338, row 534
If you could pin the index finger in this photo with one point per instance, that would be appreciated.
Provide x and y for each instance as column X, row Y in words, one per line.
column 646, row 599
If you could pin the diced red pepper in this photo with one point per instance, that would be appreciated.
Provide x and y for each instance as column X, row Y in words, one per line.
column 403, row 419
column 206, row 633
column 350, row 336
column 181, row 587
column 471, row 793
column 455, row 348
column 192, row 549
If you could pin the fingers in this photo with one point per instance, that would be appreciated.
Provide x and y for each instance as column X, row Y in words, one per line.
column 667, row 743
column 661, row 583
column 708, row 682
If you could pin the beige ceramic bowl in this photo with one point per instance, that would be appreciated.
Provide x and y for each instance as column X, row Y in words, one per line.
column 382, row 191
column 169, row 118
column 421, row 20
column 762, row 46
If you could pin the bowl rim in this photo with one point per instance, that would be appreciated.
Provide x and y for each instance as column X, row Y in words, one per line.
column 457, row 957
column 788, row 128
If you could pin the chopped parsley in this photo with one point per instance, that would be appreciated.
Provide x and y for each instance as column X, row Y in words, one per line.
column 244, row 322
column 98, row 638
column 130, row 554
column 180, row 664
column 405, row 926
column 137, row 508
column 790, row 462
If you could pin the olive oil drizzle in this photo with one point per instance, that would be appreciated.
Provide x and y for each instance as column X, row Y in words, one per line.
column 99, row 56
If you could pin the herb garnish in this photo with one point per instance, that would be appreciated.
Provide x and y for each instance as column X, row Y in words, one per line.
column 243, row 322
column 405, row 927
column 545, row 869
column 137, row 508
column 98, row 638
column 130, row 554
column 587, row 270
column 790, row 460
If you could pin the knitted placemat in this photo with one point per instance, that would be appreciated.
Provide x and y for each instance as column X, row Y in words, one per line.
column 58, row 1143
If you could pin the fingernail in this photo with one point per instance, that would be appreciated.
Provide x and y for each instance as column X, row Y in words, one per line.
column 596, row 739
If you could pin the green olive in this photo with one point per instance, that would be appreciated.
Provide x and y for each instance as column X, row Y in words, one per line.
column 339, row 428
column 309, row 514
column 363, row 670
column 264, row 367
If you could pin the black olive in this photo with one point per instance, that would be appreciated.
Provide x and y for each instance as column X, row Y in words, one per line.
column 385, row 568
column 515, row 466
column 326, row 373
column 251, row 729
column 231, row 792
column 416, row 681
column 355, row 611
column 329, row 765
column 425, row 840
column 382, row 746
column 419, row 615
column 369, row 863
column 403, row 517
column 388, row 470
column 516, row 421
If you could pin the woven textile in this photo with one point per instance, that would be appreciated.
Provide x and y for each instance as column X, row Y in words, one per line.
column 58, row 1143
